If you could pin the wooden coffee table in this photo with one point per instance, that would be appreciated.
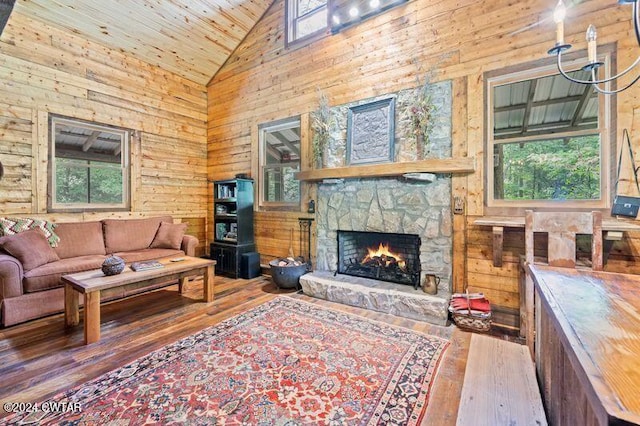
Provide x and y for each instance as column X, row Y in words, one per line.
column 92, row 283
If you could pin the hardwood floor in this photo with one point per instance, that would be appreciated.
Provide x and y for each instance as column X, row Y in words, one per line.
column 40, row 358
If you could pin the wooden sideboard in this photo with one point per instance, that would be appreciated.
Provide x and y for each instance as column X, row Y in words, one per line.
column 588, row 345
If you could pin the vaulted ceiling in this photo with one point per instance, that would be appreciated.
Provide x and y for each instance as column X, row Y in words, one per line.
column 191, row 38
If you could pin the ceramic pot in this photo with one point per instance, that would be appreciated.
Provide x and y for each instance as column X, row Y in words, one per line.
column 113, row 265
column 430, row 284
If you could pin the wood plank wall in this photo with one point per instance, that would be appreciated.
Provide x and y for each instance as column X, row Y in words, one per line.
column 47, row 70
column 264, row 81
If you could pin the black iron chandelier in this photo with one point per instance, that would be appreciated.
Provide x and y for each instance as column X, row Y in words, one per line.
column 594, row 64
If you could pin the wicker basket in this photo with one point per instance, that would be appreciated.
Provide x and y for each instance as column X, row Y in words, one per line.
column 471, row 320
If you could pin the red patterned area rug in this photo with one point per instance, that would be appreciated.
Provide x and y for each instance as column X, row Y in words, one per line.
column 286, row 362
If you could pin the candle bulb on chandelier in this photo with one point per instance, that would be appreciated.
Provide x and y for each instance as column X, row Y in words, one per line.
column 591, row 43
column 599, row 84
column 558, row 16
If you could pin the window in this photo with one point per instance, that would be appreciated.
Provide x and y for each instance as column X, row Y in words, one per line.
column 346, row 13
column 549, row 140
column 279, row 160
column 89, row 166
column 305, row 18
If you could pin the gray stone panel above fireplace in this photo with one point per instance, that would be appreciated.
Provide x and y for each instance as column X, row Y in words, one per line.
column 439, row 146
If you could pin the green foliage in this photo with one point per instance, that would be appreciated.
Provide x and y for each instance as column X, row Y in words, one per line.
column 556, row 169
column 71, row 182
column 106, row 185
column 78, row 182
column 280, row 184
column 291, row 185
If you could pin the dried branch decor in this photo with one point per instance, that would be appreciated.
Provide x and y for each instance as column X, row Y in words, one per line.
column 420, row 111
column 322, row 121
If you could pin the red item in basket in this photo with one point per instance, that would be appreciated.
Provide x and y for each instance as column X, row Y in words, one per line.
column 462, row 303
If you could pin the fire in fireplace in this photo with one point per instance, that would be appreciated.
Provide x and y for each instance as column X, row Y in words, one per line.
column 379, row 255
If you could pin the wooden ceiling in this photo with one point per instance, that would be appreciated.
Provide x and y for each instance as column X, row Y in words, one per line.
column 190, row 38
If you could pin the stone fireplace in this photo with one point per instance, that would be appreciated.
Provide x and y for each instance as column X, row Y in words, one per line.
column 387, row 205
column 379, row 206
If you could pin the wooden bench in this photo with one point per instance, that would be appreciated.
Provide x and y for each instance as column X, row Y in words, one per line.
column 500, row 386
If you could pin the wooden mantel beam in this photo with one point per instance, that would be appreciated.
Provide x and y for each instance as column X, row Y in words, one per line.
column 434, row 165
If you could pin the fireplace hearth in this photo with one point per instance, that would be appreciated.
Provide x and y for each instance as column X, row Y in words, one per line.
column 380, row 255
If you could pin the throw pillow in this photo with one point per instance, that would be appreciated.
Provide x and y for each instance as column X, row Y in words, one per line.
column 12, row 226
column 169, row 235
column 30, row 247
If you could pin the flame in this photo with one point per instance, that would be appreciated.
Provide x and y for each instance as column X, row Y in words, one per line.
column 384, row 254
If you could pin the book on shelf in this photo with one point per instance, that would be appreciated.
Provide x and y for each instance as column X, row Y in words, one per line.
column 221, row 230
column 145, row 266
column 227, row 191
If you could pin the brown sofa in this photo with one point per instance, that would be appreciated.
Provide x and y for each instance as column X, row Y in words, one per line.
column 37, row 292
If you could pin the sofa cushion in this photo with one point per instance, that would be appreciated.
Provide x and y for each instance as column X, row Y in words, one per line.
column 148, row 254
column 31, row 306
column 169, row 236
column 30, row 247
column 80, row 239
column 48, row 276
column 131, row 234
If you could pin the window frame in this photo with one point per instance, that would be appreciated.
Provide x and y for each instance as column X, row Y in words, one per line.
column 125, row 164
column 284, row 123
column 336, row 7
column 331, row 26
column 291, row 18
column 605, row 129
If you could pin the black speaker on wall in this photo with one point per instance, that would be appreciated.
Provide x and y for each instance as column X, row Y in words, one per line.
column 249, row 265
